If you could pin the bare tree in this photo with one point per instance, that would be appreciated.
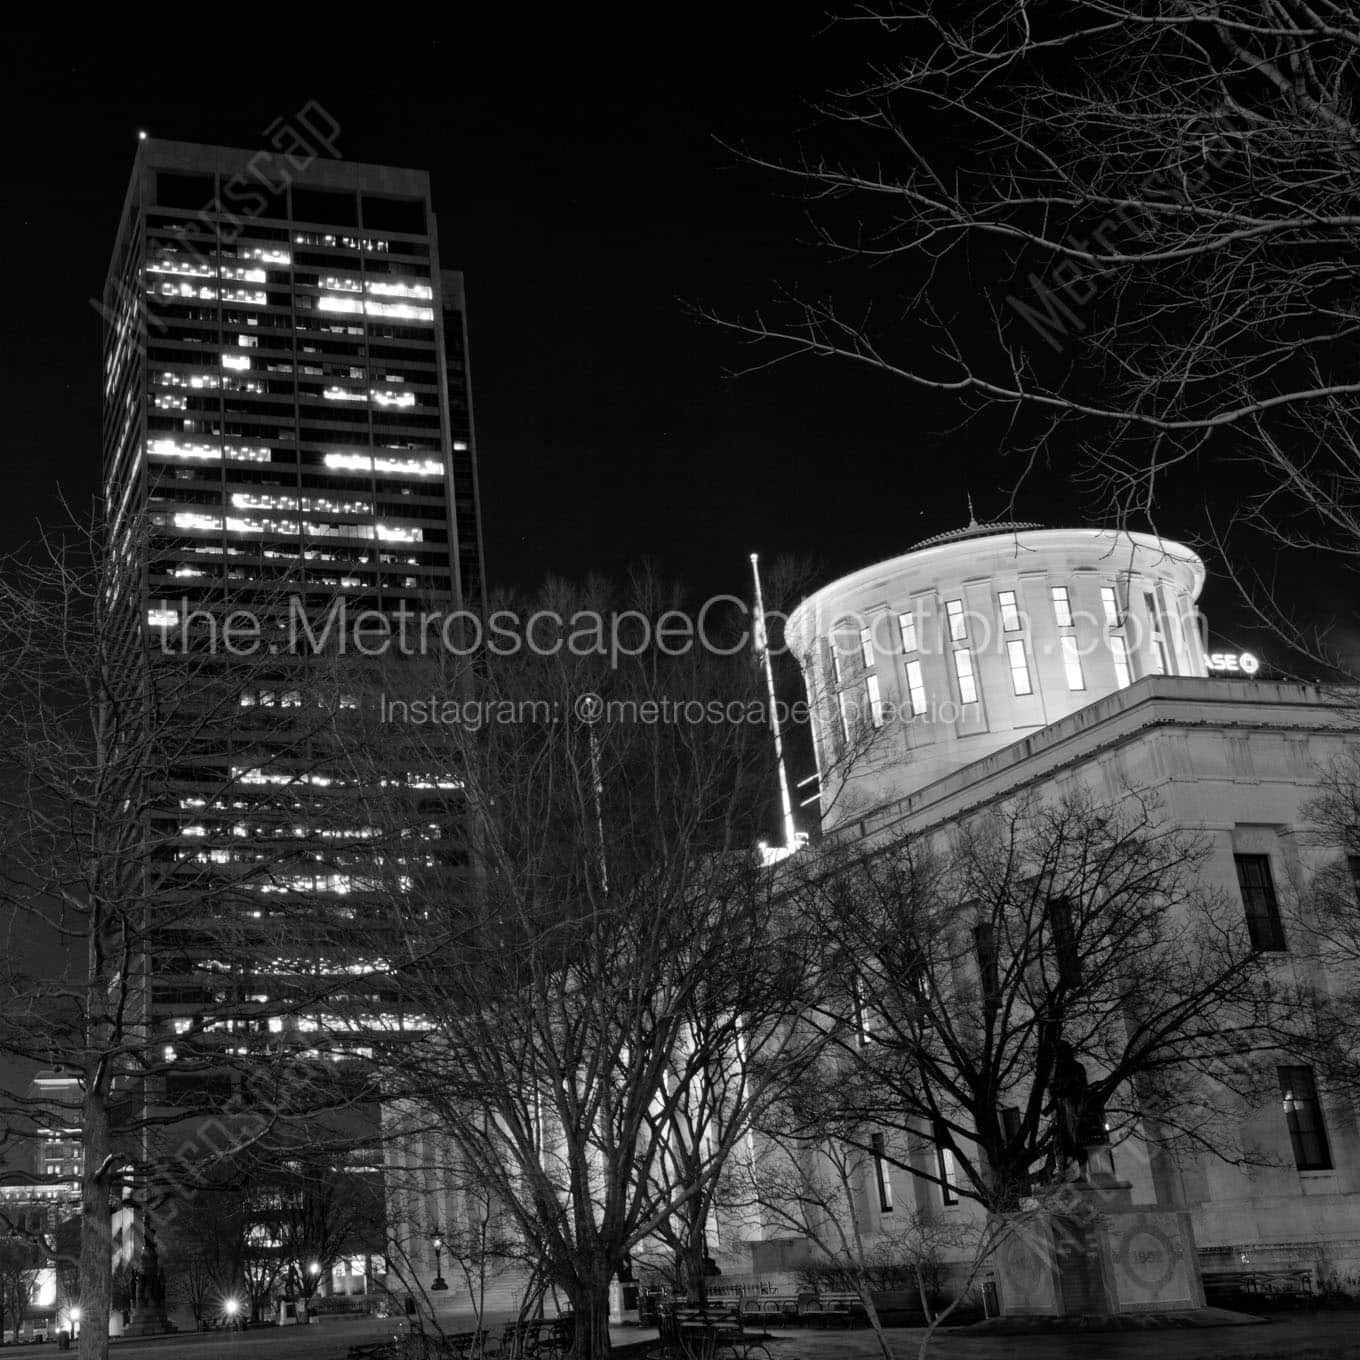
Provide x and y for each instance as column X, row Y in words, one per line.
column 612, row 945
column 1042, row 978
column 806, row 1179
column 1126, row 229
column 123, row 759
column 19, row 1263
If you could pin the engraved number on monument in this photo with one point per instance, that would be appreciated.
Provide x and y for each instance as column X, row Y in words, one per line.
column 1150, row 1256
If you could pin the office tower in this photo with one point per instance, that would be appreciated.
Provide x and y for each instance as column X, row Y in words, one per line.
column 287, row 417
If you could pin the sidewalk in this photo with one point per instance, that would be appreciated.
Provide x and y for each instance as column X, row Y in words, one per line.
column 1330, row 1336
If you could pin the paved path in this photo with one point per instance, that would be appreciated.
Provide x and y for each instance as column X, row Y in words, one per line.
column 1330, row 1336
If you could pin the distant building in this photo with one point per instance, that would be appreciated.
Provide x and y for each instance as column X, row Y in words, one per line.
column 287, row 407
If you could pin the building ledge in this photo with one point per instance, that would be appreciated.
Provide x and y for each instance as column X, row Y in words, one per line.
column 1156, row 701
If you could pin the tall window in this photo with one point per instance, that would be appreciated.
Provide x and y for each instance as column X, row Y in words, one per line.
column 1072, row 663
column 958, row 626
column 1015, row 654
column 1109, row 602
column 875, row 698
column 1062, row 606
column 1119, row 651
column 947, row 1166
column 916, row 689
column 963, row 668
column 1257, row 886
column 1160, row 662
column 984, row 941
column 1303, row 1114
column 864, row 1034
column 1064, row 941
column 866, row 647
column 882, row 1176
column 1010, row 612
column 906, row 625
column 1353, row 861
column 843, row 708
column 833, row 658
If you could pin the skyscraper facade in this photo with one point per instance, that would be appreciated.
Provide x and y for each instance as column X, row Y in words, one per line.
column 287, row 416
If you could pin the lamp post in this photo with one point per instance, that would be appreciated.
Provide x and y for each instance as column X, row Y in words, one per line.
column 231, row 1307
column 75, row 1322
column 437, row 1241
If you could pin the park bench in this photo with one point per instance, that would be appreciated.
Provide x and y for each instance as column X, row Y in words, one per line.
column 1290, row 1287
column 831, row 1310
column 693, row 1332
column 537, row 1339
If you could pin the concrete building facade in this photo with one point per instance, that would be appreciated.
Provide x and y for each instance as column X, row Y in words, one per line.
column 1084, row 668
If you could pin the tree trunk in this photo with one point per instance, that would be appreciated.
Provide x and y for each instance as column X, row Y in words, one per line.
column 875, row 1322
column 591, row 1306
column 96, row 1242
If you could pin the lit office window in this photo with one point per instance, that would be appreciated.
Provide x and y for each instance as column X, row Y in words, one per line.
column 1109, row 602
column 1015, row 654
column 963, row 668
column 1010, row 611
column 1062, row 606
column 906, row 624
column 1119, row 651
column 1257, row 886
column 958, row 629
column 916, row 689
column 882, row 1176
column 875, row 698
column 1072, row 663
column 1303, row 1114
column 866, row 647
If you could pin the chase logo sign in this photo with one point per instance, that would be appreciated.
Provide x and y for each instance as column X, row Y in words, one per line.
column 1232, row 663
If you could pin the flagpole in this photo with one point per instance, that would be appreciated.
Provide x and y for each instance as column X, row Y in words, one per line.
column 763, row 647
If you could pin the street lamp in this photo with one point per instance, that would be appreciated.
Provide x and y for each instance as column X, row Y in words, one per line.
column 75, row 1321
column 231, row 1307
column 439, row 1281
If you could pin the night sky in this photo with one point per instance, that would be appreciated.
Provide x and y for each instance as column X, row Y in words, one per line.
column 582, row 185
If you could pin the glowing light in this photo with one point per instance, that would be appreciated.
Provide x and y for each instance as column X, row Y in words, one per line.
column 162, row 618
column 362, row 462
column 393, row 398
column 401, row 290
column 1232, row 663
column 189, row 519
column 238, row 362
column 172, row 448
column 399, row 311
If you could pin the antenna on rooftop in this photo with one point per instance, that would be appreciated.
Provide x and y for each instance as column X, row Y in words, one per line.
column 763, row 649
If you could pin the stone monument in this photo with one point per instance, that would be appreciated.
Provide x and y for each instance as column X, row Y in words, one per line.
column 1081, row 1247
column 147, row 1287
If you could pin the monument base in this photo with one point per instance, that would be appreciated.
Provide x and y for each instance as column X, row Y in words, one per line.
column 148, row 1319
column 1085, row 1250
